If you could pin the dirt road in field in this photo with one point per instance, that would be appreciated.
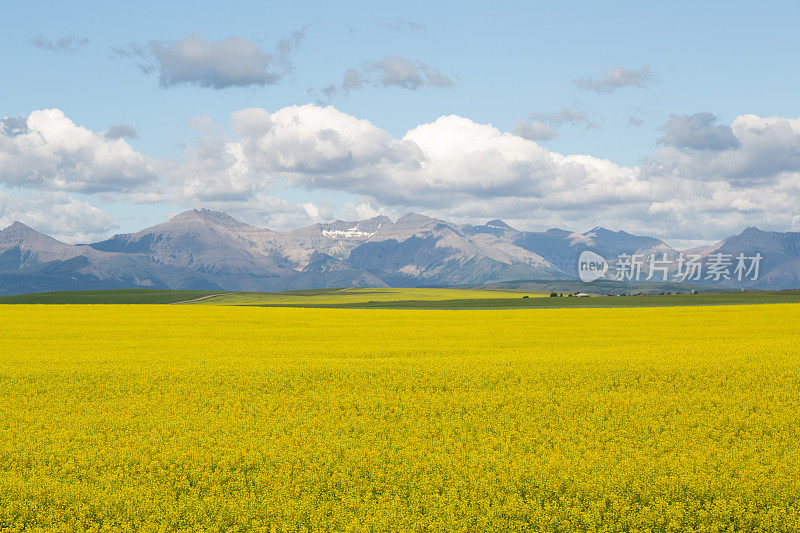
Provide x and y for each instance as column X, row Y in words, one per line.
column 196, row 299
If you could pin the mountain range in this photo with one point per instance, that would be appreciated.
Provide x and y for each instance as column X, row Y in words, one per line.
column 203, row 249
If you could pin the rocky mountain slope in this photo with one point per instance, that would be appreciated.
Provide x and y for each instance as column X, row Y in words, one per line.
column 202, row 249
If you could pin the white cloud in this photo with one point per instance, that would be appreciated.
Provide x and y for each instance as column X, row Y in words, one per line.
column 435, row 165
column 216, row 64
column 56, row 214
column 213, row 169
column 752, row 149
column 453, row 168
column 461, row 170
column 47, row 150
column 613, row 78
column 230, row 62
column 698, row 132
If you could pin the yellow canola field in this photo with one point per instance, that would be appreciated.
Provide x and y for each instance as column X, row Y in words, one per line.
column 162, row 418
column 359, row 295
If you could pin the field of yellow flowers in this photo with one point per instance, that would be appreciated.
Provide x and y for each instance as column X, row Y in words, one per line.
column 162, row 418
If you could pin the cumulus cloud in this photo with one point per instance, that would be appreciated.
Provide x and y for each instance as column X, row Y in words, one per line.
column 214, row 169
column 613, row 78
column 231, row 62
column 13, row 126
column 47, row 150
column 56, row 214
column 300, row 145
column 433, row 165
column 698, row 132
column 453, row 168
column 752, row 149
column 70, row 43
column 461, row 170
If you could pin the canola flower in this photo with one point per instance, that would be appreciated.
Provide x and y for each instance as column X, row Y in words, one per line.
column 205, row 418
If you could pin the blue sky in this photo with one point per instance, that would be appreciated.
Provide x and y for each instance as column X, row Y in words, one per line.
column 502, row 62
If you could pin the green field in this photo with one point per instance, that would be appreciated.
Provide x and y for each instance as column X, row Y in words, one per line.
column 122, row 296
column 399, row 298
column 489, row 301
column 362, row 296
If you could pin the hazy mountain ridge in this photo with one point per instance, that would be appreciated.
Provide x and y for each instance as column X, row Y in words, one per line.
column 780, row 251
column 202, row 249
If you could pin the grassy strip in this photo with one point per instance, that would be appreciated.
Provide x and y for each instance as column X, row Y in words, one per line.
column 121, row 296
column 156, row 296
column 572, row 302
